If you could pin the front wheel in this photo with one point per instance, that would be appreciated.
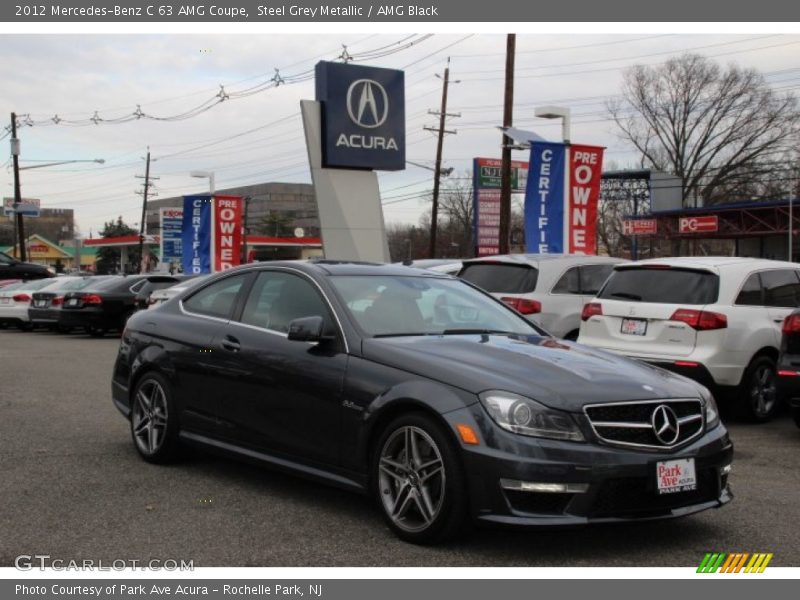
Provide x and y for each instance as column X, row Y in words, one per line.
column 758, row 396
column 419, row 481
column 154, row 420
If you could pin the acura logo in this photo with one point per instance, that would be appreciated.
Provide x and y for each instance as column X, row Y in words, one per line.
column 665, row 425
column 367, row 103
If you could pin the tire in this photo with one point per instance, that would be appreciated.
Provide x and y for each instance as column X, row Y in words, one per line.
column 418, row 480
column 154, row 422
column 96, row 332
column 758, row 398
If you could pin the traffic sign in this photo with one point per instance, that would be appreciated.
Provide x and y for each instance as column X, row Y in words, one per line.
column 28, row 207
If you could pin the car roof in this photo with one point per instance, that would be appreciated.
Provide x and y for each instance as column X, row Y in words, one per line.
column 545, row 258
column 715, row 262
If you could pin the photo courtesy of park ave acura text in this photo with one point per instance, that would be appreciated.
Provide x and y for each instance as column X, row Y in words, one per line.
column 359, row 297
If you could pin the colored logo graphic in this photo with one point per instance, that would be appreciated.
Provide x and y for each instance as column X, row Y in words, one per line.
column 737, row 562
column 365, row 112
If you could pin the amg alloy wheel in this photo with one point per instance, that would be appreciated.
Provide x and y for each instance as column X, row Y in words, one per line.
column 153, row 425
column 419, row 481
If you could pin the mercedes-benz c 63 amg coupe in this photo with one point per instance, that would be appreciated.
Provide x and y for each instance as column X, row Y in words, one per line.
column 439, row 400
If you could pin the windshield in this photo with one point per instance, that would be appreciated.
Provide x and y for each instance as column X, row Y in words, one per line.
column 390, row 305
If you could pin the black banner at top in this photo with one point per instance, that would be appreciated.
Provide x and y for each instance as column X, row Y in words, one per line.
column 326, row 11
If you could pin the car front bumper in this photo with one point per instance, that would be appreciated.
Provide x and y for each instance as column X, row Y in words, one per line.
column 616, row 484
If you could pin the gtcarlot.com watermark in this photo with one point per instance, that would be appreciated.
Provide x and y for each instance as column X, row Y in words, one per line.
column 29, row 562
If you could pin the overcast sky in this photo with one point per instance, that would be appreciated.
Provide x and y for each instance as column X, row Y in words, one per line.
column 166, row 75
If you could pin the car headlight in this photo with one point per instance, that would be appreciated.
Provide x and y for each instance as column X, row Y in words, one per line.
column 712, row 412
column 525, row 416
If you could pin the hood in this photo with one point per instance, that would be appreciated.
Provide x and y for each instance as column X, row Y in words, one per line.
column 557, row 373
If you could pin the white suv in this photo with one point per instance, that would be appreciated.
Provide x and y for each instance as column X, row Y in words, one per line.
column 549, row 289
column 714, row 319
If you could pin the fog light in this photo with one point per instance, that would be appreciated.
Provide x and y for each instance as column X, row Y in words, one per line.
column 553, row 488
column 726, row 469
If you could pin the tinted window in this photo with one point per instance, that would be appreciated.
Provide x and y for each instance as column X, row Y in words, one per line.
column 501, row 278
column 114, row 283
column 781, row 288
column 5, row 259
column 569, row 283
column 216, row 300
column 750, row 295
column 668, row 286
column 593, row 277
column 278, row 298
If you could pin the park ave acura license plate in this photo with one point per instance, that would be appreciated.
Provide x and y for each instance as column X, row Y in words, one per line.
column 674, row 476
column 634, row 326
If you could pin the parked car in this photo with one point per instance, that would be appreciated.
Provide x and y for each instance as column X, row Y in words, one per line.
column 11, row 268
column 153, row 283
column 15, row 300
column 421, row 389
column 102, row 306
column 47, row 302
column 714, row 319
column 789, row 364
column 158, row 297
column 448, row 266
column 549, row 289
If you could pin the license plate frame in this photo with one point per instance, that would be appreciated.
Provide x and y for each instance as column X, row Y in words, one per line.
column 633, row 327
column 675, row 476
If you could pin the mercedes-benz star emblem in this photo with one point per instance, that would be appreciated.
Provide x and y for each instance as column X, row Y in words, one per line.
column 367, row 103
column 665, row 425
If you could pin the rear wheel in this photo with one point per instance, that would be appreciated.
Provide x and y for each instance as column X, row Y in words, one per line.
column 154, row 423
column 419, row 481
column 758, row 398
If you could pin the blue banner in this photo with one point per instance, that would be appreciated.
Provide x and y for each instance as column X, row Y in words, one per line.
column 544, row 199
column 196, row 240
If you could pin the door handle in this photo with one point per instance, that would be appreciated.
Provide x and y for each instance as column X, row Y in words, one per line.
column 231, row 344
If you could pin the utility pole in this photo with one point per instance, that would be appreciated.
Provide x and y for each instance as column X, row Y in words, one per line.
column 505, row 170
column 246, row 201
column 145, row 193
column 20, row 228
column 440, row 131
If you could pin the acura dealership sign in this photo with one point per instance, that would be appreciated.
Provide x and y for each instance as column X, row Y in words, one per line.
column 363, row 116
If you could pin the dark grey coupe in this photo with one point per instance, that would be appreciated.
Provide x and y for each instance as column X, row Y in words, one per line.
column 418, row 388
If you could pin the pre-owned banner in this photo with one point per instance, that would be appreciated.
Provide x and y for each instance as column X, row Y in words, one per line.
column 544, row 199
column 227, row 239
column 585, row 170
column 196, row 240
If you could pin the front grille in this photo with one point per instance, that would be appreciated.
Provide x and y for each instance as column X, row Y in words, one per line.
column 657, row 424
column 636, row 496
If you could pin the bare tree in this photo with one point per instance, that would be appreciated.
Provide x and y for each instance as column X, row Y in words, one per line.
column 715, row 128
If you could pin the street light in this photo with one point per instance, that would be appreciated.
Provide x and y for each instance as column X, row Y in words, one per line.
column 205, row 175
column 64, row 162
column 556, row 112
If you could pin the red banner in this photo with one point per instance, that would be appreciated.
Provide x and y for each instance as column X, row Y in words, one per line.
column 227, row 235
column 585, row 169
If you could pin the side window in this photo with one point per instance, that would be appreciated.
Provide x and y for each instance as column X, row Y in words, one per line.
column 751, row 292
column 216, row 300
column 277, row 298
column 781, row 288
column 593, row 277
column 568, row 284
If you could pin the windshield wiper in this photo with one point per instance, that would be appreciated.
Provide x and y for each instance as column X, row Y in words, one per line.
column 627, row 295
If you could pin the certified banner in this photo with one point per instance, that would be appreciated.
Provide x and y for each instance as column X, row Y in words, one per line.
column 544, row 199
column 227, row 241
column 196, row 239
column 585, row 170
column 171, row 221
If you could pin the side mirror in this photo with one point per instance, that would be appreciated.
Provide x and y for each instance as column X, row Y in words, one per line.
column 307, row 329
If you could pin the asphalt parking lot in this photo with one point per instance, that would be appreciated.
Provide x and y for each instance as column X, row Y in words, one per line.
column 73, row 487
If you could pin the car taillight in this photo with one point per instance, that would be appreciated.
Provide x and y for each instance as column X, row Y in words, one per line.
column 591, row 309
column 791, row 324
column 21, row 298
column 92, row 299
column 57, row 301
column 523, row 305
column 701, row 320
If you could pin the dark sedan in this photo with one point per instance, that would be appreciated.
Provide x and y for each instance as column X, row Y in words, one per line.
column 103, row 306
column 46, row 303
column 422, row 390
column 789, row 364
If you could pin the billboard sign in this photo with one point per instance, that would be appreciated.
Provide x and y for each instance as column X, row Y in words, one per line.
column 363, row 116
column 704, row 224
column 28, row 207
column 227, row 239
column 488, row 174
column 196, row 234
column 639, row 227
column 171, row 222
column 486, row 179
column 545, row 199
